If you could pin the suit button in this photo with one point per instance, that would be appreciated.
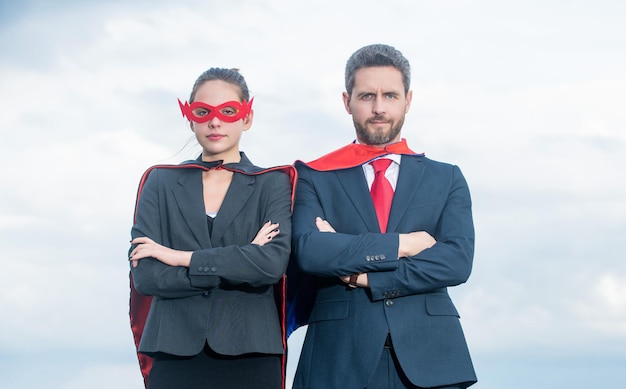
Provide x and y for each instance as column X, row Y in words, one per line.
column 368, row 258
column 206, row 269
column 389, row 303
column 205, row 294
column 200, row 268
column 213, row 269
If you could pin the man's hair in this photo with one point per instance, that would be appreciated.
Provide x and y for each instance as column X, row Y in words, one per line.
column 374, row 56
column 232, row 76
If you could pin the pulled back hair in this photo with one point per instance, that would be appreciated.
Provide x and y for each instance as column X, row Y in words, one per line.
column 374, row 56
column 231, row 76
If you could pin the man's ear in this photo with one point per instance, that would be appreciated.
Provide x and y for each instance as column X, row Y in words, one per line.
column 346, row 102
column 409, row 97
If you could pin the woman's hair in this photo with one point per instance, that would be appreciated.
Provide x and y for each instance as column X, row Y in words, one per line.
column 374, row 56
column 232, row 76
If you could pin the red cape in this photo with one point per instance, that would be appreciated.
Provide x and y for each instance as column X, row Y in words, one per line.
column 356, row 154
column 140, row 304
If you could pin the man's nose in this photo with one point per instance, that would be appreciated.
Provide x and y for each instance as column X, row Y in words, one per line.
column 378, row 107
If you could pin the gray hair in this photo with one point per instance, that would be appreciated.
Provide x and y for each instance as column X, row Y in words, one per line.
column 377, row 55
column 231, row 76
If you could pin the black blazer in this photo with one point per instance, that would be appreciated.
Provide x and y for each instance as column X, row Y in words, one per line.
column 226, row 296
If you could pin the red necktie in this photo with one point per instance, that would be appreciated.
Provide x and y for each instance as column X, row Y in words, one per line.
column 382, row 192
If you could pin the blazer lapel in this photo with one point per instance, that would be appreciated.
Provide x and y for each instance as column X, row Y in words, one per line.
column 239, row 191
column 190, row 202
column 409, row 177
column 355, row 185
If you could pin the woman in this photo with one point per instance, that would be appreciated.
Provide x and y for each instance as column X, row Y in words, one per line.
column 210, row 241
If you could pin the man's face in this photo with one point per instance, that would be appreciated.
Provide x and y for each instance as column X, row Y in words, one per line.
column 378, row 105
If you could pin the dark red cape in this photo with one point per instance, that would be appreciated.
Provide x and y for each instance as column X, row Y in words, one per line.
column 140, row 304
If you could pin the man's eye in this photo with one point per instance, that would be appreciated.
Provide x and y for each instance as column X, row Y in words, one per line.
column 367, row 97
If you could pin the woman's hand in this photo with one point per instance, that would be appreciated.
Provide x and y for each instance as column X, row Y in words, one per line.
column 146, row 248
column 266, row 233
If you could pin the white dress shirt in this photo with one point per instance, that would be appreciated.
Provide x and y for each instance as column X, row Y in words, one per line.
column 391, row 173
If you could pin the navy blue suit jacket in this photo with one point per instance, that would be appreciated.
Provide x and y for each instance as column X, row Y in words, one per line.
column 407, row 297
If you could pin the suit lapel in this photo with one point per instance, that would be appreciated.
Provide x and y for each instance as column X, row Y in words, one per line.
column 188, row 195
column 239, row 191
column 409, row 177
column 355, row 185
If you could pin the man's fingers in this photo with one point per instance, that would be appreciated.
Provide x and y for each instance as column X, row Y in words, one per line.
column 323, row 225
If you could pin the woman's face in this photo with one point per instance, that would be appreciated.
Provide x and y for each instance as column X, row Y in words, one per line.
column 220, row 138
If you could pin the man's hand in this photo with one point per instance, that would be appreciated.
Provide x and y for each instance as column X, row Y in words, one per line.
column 414, row 243
column 324, row 226
column 361, row 280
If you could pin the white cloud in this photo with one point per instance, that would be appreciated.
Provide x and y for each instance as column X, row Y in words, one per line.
column 604, row 310
column 527, row 98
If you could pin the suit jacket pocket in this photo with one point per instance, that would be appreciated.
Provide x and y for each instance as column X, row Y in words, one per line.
column 329, row 310
column 440, row 305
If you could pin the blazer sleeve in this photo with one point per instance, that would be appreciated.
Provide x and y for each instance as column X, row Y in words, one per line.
column 152, row 277
column 329, row 254
column 250, row 263
column 449, row 261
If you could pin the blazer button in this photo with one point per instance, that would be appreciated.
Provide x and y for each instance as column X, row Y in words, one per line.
column 206, row 269
column 205, row 294
column 389, row 303
column 213, row 269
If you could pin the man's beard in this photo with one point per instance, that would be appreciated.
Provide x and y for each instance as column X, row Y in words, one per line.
column 377, row 137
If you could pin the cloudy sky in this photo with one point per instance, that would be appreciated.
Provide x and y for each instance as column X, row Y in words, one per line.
column 526, row 97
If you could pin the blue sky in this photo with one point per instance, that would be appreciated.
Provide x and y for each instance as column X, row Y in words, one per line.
column 526, row 97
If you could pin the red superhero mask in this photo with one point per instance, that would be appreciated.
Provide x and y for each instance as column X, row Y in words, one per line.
column 230, row 111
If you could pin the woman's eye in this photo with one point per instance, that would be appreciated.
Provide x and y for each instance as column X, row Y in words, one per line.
column 200, row 112
column 229, row 111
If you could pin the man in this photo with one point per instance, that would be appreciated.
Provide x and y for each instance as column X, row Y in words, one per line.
column 382, row 317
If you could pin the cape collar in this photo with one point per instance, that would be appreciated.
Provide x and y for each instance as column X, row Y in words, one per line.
column 356, row 154
column 244, row 165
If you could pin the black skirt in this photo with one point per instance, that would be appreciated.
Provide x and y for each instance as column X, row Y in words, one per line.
column 211, row 370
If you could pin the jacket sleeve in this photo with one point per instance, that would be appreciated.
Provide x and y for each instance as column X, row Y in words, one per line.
column 448, row 262
column 327, row 254
column 250, row 263
column 152, row 277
